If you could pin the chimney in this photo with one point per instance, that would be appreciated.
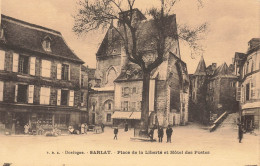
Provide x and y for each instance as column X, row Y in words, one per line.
column 214, row 66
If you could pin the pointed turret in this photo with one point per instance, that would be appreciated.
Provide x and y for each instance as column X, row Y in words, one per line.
column 201, row 69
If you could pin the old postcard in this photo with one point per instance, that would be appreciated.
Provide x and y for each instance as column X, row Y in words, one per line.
column 129, row 82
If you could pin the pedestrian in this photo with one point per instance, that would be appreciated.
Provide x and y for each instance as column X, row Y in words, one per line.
column 169, row 133
column 160, row 134
column 102, row 127
column 86, row 128
column 82, row 128
column 26, row 128
column 151, row 132
column 115, row 132
column 240, row 132
column 126, row 127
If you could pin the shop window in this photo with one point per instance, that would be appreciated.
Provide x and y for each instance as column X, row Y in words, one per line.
column 23, row 64
column 65, row 72
column 108, row 117
column 45, row 120
column 62, row 120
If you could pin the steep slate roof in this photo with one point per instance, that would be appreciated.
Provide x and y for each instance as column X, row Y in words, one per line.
column 223, row 70
column 23, row 35
column 146, row 33
column 201, row 68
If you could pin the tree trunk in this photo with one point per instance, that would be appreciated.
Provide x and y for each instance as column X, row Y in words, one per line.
column 145, row 101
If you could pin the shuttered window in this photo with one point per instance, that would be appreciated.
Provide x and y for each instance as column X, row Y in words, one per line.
column 58, row 96
column 1, row 90
column 58, row 71
column 15, row 62
column 2, row 60
column 71, row 99
column 31, row 93
column 45, row 95
column 46, row 68
column 32, row 65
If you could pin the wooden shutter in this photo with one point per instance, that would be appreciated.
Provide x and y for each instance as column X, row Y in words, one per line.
column 71, row 98
column 238, row 94
column 122, row 91
column 58, row 96
column 59, row 71
column 2, row 60
column 15, row 62
column 16, row 93
column 31, row 93
column 32, row 65
column 1, row 90
column 48, row 94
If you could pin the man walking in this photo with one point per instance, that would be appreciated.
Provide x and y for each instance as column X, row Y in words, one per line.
column 169, row 133
column 160, row 134
column 240, row 132
column 115, row 132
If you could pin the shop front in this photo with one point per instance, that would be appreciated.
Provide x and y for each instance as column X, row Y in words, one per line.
column 40, row 120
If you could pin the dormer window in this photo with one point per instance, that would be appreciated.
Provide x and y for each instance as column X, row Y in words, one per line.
column 46, row 44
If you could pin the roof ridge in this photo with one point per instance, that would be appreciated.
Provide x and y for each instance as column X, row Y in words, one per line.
column 30, row 24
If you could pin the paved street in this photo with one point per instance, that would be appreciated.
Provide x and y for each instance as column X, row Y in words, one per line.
column 218, row 148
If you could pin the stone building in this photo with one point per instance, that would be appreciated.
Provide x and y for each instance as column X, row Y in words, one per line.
column 247, row 66
column 40, row 79
column 213, row 91
column 116, row 96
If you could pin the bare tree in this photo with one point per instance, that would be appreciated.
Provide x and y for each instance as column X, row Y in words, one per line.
column 96, row 14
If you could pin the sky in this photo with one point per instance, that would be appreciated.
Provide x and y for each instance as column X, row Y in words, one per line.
column 232, row 23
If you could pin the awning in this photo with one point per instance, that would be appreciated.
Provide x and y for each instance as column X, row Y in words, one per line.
column 137, row 115
column 121, row 115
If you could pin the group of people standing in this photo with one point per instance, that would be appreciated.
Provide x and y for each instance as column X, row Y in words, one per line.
column 169, row 132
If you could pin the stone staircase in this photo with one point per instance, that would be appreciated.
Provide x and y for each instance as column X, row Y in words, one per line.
column 229, row 124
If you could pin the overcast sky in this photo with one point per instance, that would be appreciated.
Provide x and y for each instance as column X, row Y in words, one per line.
column 232, row 23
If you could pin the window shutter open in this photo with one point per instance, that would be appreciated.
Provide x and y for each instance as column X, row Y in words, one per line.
column 32, row 65
column 15, row 62
column 1, row 90
column 58, row 96
column 31, row 93
column 71, row 99
column 16, row 93
column 59, row 71
column 2, row 60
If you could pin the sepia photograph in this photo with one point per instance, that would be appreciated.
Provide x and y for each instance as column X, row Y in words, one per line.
column 129, row 82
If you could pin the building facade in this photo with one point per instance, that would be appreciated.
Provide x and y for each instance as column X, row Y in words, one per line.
column 213, row 92
column 248, row 66
column 117, row 94
column 40, row 79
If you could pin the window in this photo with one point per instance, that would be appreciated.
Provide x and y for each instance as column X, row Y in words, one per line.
column 133, row 105
column 82, row 97
column 64, row 97
column 109, row 106
column 45, row 96
column 134, row 90
column 2, row 60
column 82, row 81
column 61, row 120
column 65, row 72
column 108, row 117
column 23, row 64
column 125, row 91
column 46, row 68
column 247, row 91
column 1, row 90
column 93, row 107
column 124, row 106
column 21, row 93
column 46, row 45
